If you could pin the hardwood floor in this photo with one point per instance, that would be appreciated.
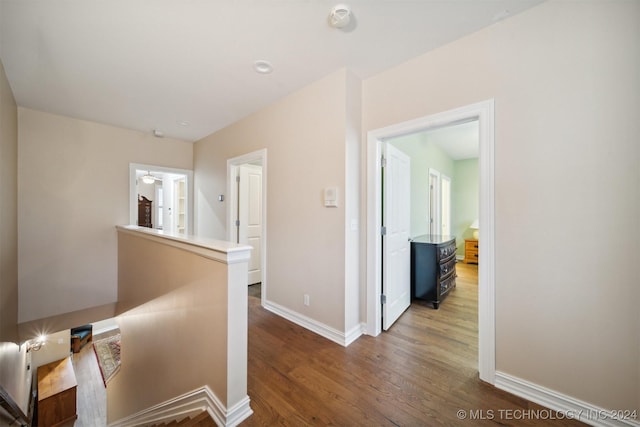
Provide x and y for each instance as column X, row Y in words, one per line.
column 419, row 373
column 92, row 395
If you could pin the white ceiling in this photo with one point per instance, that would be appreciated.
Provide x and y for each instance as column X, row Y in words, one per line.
column 154, row 64
column 460, row 141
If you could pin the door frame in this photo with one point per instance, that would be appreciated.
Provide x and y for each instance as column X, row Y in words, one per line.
column 233, row 165
column 435, row 221
column 484, row 113
column 133, row 193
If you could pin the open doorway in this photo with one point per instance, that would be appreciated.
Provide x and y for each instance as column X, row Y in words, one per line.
column 161, row 198
column 483, row 113
column 246, row 210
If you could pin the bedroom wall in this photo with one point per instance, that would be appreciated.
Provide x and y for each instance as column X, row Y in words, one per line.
column 74, row 188
column 424, row 155
column 564, row 76
column 305, row 137
column 465, row 199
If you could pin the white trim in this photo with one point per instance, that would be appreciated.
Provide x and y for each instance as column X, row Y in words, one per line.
column 232, row 205
column 338, row 337
column 484, row 112
column 189, row 404
column 354, row 333
column 435, row 193
column 565, row 406
column 133, row 199
column 217, row 250
column 104, row 330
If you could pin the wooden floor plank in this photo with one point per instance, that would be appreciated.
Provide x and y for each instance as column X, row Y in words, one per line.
column 419, row 373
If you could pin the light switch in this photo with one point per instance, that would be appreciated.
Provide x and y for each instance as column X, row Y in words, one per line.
column 331, row 197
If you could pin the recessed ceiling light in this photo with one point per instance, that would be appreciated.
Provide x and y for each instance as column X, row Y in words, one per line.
column 263, row 67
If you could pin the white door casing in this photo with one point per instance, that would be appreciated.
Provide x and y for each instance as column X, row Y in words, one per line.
column 258, row 157
column 169, row 174
column 484, row 113
column 250, row 216
column 396, row 252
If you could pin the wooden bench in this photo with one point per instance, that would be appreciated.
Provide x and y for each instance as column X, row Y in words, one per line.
column 81, row 336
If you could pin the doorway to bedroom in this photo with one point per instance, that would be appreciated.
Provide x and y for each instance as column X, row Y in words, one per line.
column 482, row 112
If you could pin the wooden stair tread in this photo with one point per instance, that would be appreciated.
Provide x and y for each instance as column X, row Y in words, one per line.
column 201, row 420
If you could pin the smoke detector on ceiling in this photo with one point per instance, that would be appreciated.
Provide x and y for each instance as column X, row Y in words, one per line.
column 340, row 16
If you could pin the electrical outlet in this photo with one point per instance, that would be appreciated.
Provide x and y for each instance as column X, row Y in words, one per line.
column 306, row 299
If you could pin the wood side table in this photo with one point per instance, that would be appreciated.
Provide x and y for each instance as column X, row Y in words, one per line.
column 56, row 393
column 470, row 251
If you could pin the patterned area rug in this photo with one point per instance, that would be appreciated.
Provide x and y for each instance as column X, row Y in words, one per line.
column 108, row 354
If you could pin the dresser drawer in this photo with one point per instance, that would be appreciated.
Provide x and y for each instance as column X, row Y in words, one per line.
column 471, row 251
column 446, row 251
column 471, row 245
column 448, row 267
column 471, row 256
column 447, row 284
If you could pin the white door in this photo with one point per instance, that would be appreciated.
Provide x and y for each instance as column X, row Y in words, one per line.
column 445, row 211
column 396, row 248
column 434, row 202
column 250, row 216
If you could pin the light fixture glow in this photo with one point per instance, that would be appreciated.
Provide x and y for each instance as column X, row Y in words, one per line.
column 263, row 67
column 148, row 178
column 37, row 345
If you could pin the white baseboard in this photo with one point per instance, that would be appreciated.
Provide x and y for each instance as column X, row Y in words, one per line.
column 189, row 405
column 104, row 330
column 344, row 339
column 563, row 405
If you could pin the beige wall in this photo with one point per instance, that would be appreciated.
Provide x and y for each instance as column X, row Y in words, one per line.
column 8, row 211
column 564, row 76
column 74, row 188
column 57, row 346
column 174, row 321
column 14, row 376
column 304, row 135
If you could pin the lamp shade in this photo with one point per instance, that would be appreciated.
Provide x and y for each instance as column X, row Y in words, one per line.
column 475, row 225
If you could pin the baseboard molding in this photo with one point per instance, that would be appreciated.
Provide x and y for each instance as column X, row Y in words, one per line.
column 564, row 406
column 344, row 339
column 355, row 333
column 104, row 330
column 189, row 405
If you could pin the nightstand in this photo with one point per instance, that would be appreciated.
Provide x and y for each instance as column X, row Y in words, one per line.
column 470, row 251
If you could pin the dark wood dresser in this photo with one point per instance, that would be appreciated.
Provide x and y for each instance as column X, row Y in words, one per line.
column 433, row 267
column 144, row 212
